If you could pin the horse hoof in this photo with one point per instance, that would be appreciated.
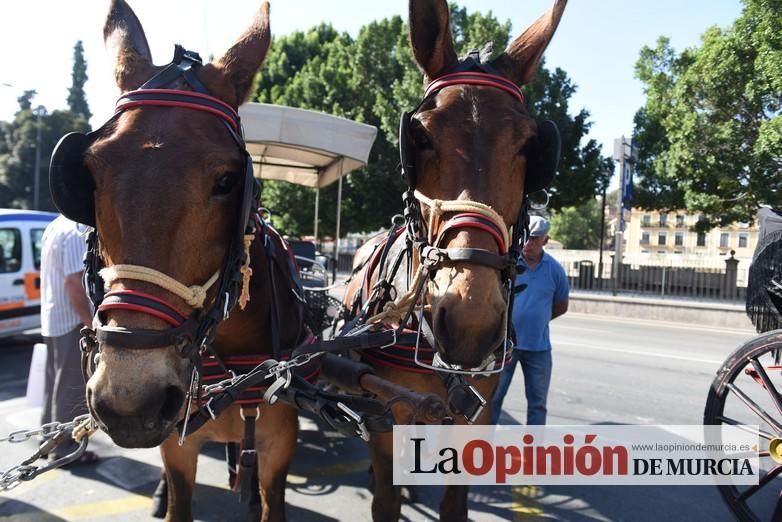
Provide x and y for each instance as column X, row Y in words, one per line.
column 160, row 499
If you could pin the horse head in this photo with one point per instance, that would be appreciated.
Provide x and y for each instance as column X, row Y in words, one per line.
column 164, row 182
column 471, row 151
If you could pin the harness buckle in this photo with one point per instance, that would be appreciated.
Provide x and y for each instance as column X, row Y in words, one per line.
column 209, row 410
column 270, row 395
column 432, row 256
column 361, row 429
column 395, row 332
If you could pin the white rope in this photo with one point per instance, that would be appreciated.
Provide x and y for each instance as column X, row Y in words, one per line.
column 193, row 295
column 439, row 207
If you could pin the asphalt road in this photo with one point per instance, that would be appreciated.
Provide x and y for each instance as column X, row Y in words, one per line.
column 605, row 371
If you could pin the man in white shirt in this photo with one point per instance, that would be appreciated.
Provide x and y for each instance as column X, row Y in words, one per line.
column 65, row 309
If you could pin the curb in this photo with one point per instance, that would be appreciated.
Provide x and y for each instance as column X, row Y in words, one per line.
column 726, row 315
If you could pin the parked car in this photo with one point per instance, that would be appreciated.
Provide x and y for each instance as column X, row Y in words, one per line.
column 21, row 232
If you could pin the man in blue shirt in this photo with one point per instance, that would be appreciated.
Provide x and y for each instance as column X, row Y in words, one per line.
column 544, row 298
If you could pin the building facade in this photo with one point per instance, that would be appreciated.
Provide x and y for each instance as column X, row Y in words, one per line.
column 653, row 232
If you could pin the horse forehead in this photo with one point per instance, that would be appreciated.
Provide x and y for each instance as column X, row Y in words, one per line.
column 477, row 107
column 163, row 137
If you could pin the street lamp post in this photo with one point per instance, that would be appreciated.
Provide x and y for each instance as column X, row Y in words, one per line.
column 626, row 154
column 37, row 170
column 602, row 237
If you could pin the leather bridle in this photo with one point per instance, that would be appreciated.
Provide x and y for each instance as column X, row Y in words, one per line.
column 428, row 240
column 191, row 334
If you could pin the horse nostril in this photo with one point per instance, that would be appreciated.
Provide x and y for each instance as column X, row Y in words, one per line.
column 175, row 397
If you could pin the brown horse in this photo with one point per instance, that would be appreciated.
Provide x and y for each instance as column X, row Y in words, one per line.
column 165, row 183
column 470, row 151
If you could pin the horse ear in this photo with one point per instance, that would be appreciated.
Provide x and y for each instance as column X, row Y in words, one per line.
column 124, row 36
column 430, row 37
column 520, row 60
column 240, row 63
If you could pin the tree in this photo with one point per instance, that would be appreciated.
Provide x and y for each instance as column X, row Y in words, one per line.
column 373, row 79
column 583, row 171
column 712, row 122
column 77, row 101
column 18, row 150
column 577, row 227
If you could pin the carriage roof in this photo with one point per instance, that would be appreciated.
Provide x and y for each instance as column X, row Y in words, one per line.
column 302, row 146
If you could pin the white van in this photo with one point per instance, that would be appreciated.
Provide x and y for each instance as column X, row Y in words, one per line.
column 20, row 264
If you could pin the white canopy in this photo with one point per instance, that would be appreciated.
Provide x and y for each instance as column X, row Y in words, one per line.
column 304, row 147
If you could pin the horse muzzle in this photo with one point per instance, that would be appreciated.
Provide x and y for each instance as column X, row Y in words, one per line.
column 137, row 397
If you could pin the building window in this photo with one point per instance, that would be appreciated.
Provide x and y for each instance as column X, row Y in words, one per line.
column 679, row 221
column 644, row 238
column 679, row 239
column 743, row 240
column 663, row 220
column 701, row 239
column 724, row 239
column 646, row 220
column 661, row 238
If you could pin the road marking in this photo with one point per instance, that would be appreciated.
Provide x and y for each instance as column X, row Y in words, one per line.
column 104, row 508
column 634, row 352
column 523, row 504
column 748, row 333
column 564, row 326
column 334, row 470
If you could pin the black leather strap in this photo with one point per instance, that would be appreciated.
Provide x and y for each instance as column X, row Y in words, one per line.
column 478, row 256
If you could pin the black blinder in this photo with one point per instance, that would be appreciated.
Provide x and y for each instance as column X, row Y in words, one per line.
column 542, row 162
column 407, row 150
column 71, row 184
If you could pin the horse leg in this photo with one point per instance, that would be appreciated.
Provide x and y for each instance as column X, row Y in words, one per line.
column 276, row 442
column 179, row 464
column 160, row 498
column 387, row 499
column 453, row 506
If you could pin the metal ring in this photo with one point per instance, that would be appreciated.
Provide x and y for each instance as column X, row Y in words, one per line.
column 257, row 412
column 265, row 214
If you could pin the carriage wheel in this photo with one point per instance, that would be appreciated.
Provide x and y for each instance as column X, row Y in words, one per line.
column 747, row 391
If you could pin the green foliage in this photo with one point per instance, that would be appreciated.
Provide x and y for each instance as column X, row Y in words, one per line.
column 18, row 143
column 77, row 101
column 711, row 129
column 577, row 227
column 373, row 79
column 583, row 171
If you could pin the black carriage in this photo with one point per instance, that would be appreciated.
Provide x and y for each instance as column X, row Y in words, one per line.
column 746, row 390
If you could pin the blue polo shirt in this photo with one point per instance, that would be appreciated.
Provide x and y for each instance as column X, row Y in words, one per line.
column 546, row 284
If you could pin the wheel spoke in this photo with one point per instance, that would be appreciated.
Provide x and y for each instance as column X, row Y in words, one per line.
column 772, row 391
column 745, row 427
column 762, row 482
column 754, row 407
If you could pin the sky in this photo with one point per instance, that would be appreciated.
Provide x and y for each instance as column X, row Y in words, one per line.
column 597, row 42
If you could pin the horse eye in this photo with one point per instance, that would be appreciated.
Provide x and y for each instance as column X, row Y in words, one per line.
column 224, row 184
column 420, row 138
column 529, row 147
